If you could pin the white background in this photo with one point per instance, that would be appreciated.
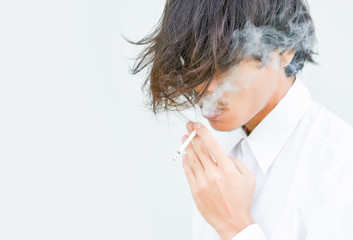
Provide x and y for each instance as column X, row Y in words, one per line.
column 80, row 155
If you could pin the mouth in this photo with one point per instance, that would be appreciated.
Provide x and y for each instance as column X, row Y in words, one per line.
column 214, row 114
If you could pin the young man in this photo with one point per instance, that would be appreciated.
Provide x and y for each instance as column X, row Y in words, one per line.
column 284, row 169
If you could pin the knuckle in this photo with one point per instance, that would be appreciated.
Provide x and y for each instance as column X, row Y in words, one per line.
column 229, row 170
column 198, row 191
column 202, row 186
column 213, row 179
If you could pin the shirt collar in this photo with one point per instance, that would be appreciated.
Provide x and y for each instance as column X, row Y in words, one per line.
column 228, row 139
column 270, row 135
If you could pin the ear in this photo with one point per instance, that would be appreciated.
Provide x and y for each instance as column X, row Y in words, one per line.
column 286, row 57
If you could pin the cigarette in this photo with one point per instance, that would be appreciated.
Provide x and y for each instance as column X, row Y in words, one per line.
column 186, row 143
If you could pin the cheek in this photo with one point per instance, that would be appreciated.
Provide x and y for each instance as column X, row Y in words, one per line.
column 248, row 103
column 261, row 96
column 242, row 107
column 263, row 87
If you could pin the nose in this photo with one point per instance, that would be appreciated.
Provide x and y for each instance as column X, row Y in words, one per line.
column 211, row 88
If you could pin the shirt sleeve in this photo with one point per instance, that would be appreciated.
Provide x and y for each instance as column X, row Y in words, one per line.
column 251, row 232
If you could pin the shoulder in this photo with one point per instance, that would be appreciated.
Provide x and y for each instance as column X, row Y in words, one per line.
column 328, row 158
column 333, row 132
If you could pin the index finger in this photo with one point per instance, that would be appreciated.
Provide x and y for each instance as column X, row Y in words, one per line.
column 212, row 145
column 203, row 154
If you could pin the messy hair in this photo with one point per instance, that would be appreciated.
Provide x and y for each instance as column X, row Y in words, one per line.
column 195, row 40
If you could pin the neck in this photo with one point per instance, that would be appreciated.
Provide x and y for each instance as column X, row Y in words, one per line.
column 279, row 94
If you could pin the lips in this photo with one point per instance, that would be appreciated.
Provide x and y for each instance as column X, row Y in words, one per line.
column 214, row 114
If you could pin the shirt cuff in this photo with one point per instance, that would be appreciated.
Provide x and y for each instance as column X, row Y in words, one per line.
column 251, row 232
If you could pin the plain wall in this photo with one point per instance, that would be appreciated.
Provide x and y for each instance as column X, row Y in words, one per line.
column 80, row 155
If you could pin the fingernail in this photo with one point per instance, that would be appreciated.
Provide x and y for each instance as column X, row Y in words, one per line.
column 189, row 125
column 197, row 125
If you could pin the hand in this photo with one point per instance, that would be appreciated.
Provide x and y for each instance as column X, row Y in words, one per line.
column 223, row 189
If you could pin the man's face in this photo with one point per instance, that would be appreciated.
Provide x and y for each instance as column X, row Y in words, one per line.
column 253, row 91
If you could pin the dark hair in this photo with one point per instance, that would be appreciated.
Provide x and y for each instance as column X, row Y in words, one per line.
column 197, row 39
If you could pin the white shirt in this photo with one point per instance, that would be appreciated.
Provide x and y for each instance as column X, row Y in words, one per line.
column 302, row 157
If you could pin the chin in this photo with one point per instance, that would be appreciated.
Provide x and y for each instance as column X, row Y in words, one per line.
column 223, row 126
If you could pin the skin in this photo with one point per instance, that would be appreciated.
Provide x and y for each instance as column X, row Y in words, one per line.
column 223, row 188
column 266, row 87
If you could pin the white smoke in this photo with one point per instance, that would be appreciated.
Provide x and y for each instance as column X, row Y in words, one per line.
column 259, row 43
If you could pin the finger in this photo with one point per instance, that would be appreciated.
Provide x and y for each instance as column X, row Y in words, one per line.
column 189, row 173
column 202, row 152
column 189, row 127
column 240, row 166
column 212, row 145
column 193, row 160
column 204, row 156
